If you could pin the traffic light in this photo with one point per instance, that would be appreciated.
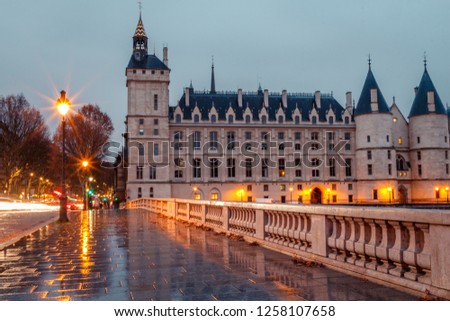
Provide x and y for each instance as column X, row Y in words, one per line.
column 90, row 192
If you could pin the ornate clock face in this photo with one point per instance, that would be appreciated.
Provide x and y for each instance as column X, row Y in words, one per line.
column 137, row 55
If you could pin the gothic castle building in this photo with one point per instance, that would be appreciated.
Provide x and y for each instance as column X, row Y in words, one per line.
column 282, row 147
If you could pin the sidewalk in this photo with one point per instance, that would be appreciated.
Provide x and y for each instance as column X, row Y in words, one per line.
column 14, row 225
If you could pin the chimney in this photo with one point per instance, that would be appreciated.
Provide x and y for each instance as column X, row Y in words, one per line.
column 165, row 56
column 416, row 89
column 186, row 96
column 430, row 101
column 240, row 97
column 374, row 99
column 266, row 98
column 284, row 98
column 317, row 98
column 348, row 100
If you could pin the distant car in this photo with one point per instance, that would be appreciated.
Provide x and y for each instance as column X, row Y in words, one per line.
column 75, row 206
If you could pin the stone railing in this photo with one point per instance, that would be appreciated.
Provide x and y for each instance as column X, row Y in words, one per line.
column 404, row 248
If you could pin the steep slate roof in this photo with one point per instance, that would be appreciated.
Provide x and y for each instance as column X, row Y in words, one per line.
column 148, row 62
column 420, row 105
column 363, row 106
column 140, row 31
column 255, row 101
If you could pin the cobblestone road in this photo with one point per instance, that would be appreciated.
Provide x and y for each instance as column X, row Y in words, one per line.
column 135, row 255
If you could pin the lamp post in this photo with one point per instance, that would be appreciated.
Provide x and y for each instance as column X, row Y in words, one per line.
column 63, row 106
column 328, row 195
column 446, row 189
column 437, row 194
column 290, row 190
column 89, row 191
column 29, row 185
column 85, row 164
column 390, row 194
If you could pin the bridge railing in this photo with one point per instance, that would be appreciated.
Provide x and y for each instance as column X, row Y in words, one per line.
column 407, row 248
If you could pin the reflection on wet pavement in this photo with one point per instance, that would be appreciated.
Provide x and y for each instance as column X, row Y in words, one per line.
column 135, row 255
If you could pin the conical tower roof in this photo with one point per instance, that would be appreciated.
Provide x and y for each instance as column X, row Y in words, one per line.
column 364, row 105
column 420, row 103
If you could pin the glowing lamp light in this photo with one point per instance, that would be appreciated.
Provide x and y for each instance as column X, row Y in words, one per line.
column 85, row 163
column 63, row 104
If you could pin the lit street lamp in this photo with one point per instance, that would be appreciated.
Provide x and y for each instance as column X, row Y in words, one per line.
column 85, row 164
column 63, row 106
column 328, row 193
column 290, row 190
column 390, row 194
column 446, row 189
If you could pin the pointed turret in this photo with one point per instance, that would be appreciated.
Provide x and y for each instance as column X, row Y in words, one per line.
column 140, row 41
column 427, row 99
column 371, row 99
column 213, row 82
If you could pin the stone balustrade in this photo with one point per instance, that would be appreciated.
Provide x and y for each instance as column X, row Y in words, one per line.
column 404, row 248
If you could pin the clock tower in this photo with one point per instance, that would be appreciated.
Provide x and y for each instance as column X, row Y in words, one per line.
column 147, row 121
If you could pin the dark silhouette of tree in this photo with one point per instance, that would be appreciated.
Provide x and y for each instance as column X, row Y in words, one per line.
column 24, row 141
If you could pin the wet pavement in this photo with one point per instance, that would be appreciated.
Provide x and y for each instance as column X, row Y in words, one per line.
column 136, row 255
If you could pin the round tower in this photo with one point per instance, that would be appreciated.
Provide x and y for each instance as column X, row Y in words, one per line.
column 429, row 144
column 374, row 169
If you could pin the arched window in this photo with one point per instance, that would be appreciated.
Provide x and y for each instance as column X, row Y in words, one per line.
column 264, row 119
column 330, row 120
column 247, row 119
column 347, row 120
column 314, row 119
column 401, row 163
column 230, row 119
column 196, row 118
column 213, row 119
column 178, row 118
column 297, row 120
column 280, row 119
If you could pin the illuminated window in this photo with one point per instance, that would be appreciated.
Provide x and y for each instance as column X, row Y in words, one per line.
column 197, row 196
column 394, row 119
column 400, row 140
column 214, row 196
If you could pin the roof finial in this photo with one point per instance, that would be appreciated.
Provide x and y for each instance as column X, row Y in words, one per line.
column 370, row 62
column 213, row 81
column 140, row 8
column 425, row 59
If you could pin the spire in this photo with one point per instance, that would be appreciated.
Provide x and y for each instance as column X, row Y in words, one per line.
column 140, row 40
column 370, row 62
column 371, row 98
column 213, row 82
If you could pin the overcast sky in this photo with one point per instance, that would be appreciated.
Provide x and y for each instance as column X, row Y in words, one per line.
column 83, row 47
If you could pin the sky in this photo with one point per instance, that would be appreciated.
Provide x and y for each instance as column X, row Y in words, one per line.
column 84, row 46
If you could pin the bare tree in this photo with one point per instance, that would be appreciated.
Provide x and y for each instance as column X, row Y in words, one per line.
column 24, row 140
column 87, row 130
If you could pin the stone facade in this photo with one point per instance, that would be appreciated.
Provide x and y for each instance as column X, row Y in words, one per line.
column 280, row 147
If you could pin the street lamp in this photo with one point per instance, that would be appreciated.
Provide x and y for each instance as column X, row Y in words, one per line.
column 63, row 106
column 437, row 194
column 195, row 188
column 328, row 194
column 390, row 194
column 85, row 164
column 290, row 190
column 446, row 189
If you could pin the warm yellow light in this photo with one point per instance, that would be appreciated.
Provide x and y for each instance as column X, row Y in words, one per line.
column 446, row 189
column 328, row 190
column 291, row 189
column 389, row 189
column 63, row 104
column 310, row 190
column 63, row 108
column 241, row 191
column 85, row 163
column 437, row 188
column 195, row 188
column 31, row 174
column 91, row 179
